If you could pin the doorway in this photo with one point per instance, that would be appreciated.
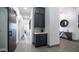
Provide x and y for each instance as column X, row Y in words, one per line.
column 24, row 28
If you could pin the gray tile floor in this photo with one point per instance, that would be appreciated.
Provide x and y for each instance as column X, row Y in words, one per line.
column 65, row 46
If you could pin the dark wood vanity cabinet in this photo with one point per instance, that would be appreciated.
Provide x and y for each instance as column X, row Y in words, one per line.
column 39, row 17
column 40, row 40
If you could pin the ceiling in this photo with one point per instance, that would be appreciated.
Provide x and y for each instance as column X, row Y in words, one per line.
column 25, row 11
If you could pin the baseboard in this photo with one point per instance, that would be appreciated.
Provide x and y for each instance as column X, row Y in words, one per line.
column 75, row 40
column 53, row 45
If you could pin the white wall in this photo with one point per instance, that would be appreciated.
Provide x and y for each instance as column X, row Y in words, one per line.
column 32, row 24
column 3, row 28
column 77, row 29
column 20, row 25
column 52, row 25
column 18, row 17
column 70, row 13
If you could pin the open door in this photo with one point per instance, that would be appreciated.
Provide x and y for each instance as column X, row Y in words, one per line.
column 12, row 29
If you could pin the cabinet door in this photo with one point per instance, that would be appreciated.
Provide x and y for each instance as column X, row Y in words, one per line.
column 42, row 10
column 37, row 10
column 38, row 40
column 41, row 20
column 36, row 20
column 44, row 39
column 39, row 17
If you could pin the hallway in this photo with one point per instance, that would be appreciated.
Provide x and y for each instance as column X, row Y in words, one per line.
column 40, row 27
column 51, row 28
column 65, row 46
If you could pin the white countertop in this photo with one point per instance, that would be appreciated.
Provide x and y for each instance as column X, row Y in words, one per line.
column 40, row 33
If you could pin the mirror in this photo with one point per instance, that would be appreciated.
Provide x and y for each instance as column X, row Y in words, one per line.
column 64, row 23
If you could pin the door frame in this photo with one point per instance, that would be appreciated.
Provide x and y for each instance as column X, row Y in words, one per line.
column 7, row 28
